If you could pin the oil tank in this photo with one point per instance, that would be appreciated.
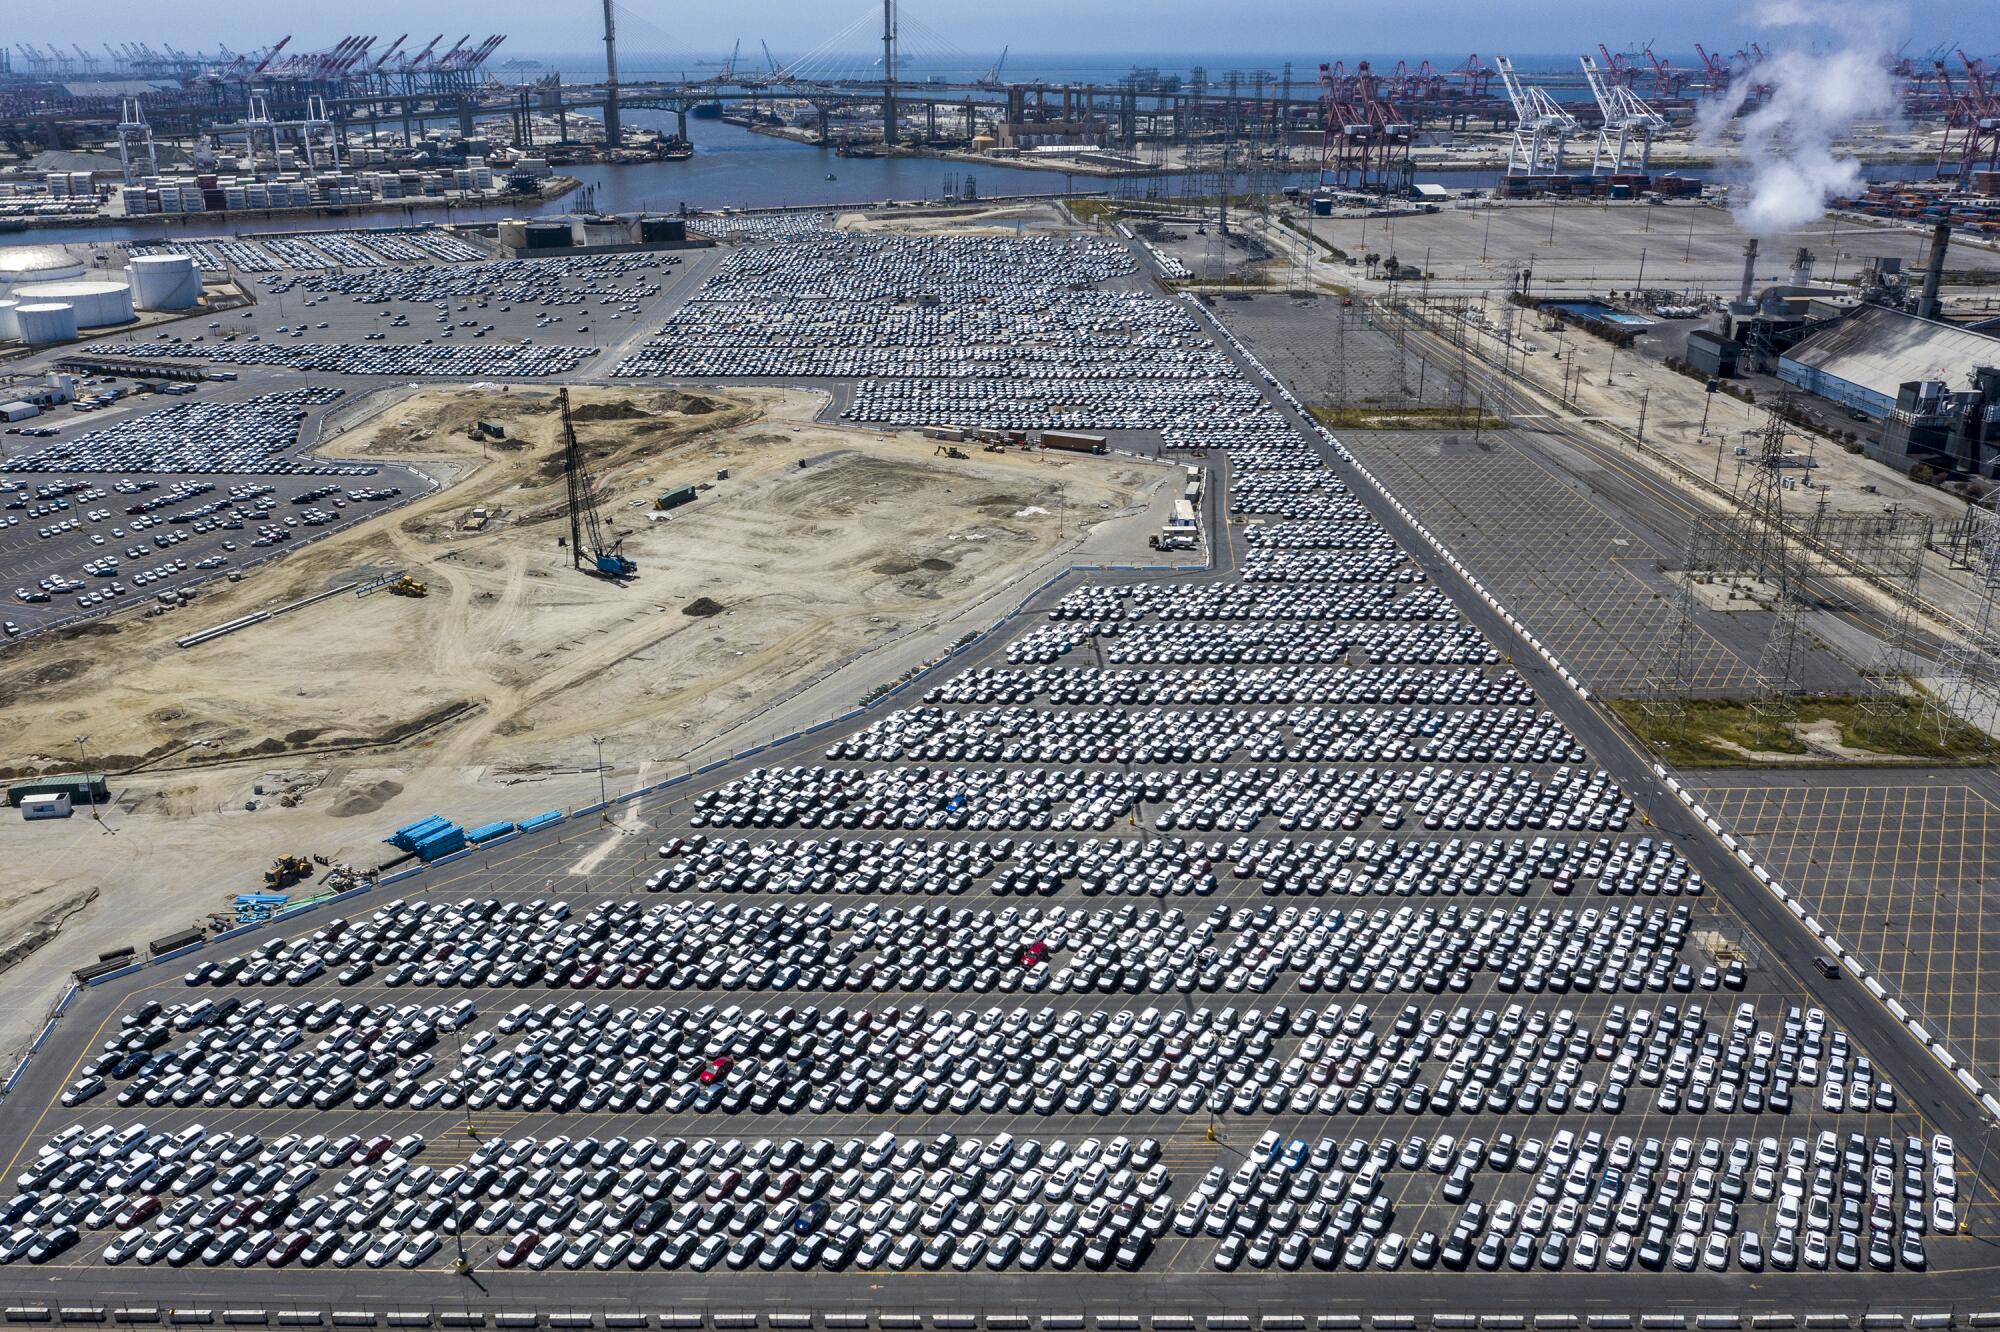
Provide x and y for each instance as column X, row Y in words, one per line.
column 37, row 263
column 45, row 322
column 97, row 304
column 655, row 230
column 164, row 282
column 10, row 327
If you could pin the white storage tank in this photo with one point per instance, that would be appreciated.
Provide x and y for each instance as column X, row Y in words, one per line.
column 97, row 303
column 10, row 327
column 164, row 282
column 46, row 322
column 37, row 263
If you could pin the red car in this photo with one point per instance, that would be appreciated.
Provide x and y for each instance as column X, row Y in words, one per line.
column 717, row 1068
column 514, row 1250
column 370, row 1151
column 287, row 1248
column 1035, row 954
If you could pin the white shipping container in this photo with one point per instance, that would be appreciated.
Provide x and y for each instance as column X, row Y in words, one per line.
column 52, row 806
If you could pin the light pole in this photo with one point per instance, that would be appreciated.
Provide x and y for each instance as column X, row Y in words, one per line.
column 603, row 798
column 1642, row 269
column 83, row 771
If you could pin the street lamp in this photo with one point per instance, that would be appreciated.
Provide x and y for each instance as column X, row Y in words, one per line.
column 603, row 798
column 83, row 771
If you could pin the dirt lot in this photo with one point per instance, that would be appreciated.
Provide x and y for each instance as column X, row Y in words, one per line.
column 998, row 220
column 319, row 731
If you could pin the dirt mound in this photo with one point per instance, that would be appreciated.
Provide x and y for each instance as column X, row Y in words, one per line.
column 893, row 568
column 702, row 606
column 694, row 404
column 607, row 411
column 367, row 800
column 936, row 565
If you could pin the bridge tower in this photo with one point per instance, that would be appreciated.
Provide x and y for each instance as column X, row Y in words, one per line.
column 613, row 132
column 888, row 72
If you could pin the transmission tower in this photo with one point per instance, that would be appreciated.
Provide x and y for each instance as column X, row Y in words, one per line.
column 1675, row 660
column 1889, row 548
column 1969, row 671
column 1779, row 664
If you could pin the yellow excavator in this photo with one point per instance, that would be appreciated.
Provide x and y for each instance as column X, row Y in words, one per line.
column 407, row 586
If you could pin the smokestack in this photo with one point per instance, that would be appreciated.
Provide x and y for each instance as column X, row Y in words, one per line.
column 1927, row 308
column 1749, row 272
column 613, row 133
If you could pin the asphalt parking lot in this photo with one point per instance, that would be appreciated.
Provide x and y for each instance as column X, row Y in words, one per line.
column 1900, row 862
column 1132, row 987
column 326, row 336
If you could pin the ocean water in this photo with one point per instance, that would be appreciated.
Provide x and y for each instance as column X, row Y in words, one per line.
column 737, row 168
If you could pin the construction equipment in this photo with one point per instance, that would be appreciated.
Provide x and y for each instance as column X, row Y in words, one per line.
column 407, row 586
column 950, row 451
column 288, row 870
column 583, row 520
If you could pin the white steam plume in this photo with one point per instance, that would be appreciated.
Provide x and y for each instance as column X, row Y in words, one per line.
column 1830, row 71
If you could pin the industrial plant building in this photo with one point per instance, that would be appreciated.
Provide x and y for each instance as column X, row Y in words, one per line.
column 1862, row 362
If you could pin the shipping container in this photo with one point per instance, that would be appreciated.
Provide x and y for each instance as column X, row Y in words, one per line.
column 81, row 788
column 1073, row 441
column 52, row 806
column 673, row 499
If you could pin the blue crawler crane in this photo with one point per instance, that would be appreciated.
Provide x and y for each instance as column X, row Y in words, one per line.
column 586, row 530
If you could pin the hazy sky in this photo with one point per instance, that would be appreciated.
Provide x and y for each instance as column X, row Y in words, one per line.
column 1112, row 27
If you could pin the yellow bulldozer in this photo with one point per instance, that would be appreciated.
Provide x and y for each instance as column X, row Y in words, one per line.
column 286, row 871
column 407, row 586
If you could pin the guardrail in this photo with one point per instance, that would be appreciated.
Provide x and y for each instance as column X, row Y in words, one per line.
column 1189, row 1319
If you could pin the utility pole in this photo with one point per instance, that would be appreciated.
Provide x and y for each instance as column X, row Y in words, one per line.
column 603, row 798
column 1644, row 398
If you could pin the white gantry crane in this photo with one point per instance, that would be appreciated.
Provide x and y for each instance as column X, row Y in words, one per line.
column 132, row 128
column 1541, row 129
column 1625, row 114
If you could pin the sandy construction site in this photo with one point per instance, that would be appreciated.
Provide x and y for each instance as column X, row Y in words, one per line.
column 826, row 550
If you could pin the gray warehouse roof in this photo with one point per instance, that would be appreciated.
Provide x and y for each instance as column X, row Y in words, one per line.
column 1881, row 349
